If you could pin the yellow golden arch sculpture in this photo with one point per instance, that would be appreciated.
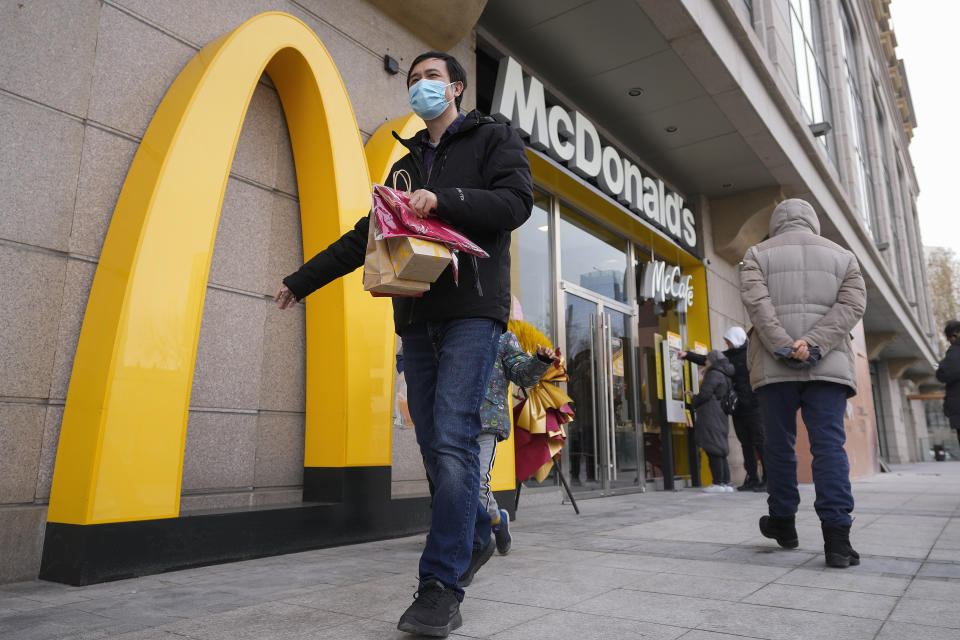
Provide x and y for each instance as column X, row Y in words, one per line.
column 120, row 456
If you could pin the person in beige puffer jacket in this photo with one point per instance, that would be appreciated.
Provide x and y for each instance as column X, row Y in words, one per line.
column 804, row 294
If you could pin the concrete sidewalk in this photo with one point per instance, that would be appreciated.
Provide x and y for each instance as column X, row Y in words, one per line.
column 659, row 565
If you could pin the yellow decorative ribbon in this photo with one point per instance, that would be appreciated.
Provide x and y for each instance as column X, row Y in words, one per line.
column 541, row 397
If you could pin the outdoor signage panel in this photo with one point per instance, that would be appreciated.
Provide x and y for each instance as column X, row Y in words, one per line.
column 570, row 138
column 673, row 377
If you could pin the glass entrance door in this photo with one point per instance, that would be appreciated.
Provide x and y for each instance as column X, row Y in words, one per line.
column 602, row 451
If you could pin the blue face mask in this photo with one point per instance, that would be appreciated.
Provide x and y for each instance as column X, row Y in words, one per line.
column 428, row 98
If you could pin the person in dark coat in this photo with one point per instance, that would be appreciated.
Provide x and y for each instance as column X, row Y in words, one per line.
column 747, row 421
column 710, row 423
column 472, row 172
column 949, row 373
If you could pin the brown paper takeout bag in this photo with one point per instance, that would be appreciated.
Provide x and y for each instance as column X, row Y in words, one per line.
column 379, row 274
column 418, row 259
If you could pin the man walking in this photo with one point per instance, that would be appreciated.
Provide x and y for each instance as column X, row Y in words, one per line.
column 804, row 294
column 473, row 173
column 949, row 373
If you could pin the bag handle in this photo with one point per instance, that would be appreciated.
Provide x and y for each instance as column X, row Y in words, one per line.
column 402, row 173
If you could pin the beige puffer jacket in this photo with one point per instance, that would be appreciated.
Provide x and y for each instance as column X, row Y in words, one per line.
column 798, row 285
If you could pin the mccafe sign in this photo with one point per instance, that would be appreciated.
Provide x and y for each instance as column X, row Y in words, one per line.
column 661, row 283
column 570, row 138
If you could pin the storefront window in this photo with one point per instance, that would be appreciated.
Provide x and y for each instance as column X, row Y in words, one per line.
column 592, row 257
column 530, row 268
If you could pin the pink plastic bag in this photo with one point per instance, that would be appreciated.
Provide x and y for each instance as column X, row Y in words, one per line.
column 392, row 208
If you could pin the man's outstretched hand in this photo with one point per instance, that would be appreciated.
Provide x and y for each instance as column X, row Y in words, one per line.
column 284, row 298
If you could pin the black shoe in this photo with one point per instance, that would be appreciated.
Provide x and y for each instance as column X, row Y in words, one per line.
column 501, row 533
column 477, row 560
column 748, row 484
column 836, row 547
column 783, row 530
column 435, row 611
column 760, row 487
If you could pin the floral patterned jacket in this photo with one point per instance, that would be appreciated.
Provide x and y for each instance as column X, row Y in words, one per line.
column 512, row 365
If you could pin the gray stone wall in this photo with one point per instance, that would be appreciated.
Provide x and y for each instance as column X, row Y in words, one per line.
column 79, row 82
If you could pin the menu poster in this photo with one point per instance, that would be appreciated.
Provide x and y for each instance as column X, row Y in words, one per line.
column 673, row 377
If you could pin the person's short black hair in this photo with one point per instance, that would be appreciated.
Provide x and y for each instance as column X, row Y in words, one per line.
column 454, row 69
column 952, row 329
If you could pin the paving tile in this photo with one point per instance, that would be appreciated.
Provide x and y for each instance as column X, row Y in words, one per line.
column 939, row 570
column 765, row 555
column 585, row 573
column 148, row 634
column 697, row 634
column 161, row 606
column 943, row 554
column 384, row 599
column 933, row 612
column 681, row 611
column 636, row 562
column 774, row 623
column 483, row 618
column 567, row 625
column 844, row 581
column 696, row 586
column 927, row 589
column 273, row 620
column 893, row 630
column 849, row 603
column 48, row 593
column 50, row 622
column 732, row 570
column 10, row 603
column 680, row 549
column 533, row 592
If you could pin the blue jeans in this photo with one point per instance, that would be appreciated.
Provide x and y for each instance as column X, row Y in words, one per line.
column 447, row 365
column 822, row 405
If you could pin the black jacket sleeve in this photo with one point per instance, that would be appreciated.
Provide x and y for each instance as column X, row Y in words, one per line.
column 949, row 369
column 337, row 260
column 506, row 203
column 696, row 358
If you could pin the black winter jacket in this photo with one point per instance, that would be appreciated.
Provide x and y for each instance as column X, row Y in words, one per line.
column 746, row 398
column 710, row 423
column 481, row 178
column 949, row 373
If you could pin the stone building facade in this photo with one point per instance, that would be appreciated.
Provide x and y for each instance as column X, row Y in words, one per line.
column 767, row 99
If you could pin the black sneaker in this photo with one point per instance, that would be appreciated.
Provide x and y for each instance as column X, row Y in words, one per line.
column 435, row 611
column 748, row 484
column 477, row 560
column 501, row 533
column 760, row 487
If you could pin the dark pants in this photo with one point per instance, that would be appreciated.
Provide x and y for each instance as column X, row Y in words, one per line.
column 447, row 366
column 748, row 425
column 822, row 405
column 719, row 469
column 955, row 424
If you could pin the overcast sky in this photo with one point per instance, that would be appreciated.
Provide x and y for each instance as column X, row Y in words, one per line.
column 928, row 44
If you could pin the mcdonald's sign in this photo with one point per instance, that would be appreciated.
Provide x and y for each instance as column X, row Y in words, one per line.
column 114, row 504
